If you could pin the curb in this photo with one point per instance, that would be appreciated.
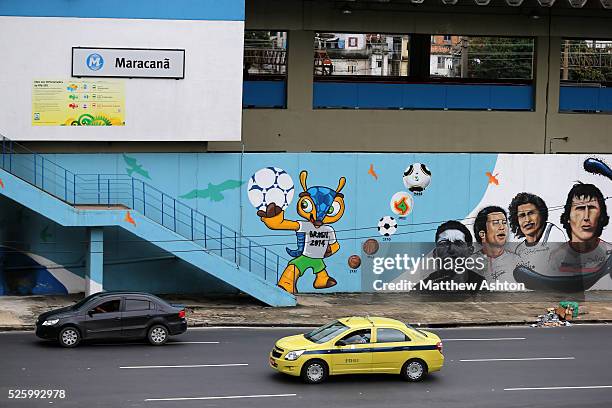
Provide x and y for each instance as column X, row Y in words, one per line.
column 301, row 325
column 432, row 325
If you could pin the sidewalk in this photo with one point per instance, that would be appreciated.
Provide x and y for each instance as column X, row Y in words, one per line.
column 20, row 313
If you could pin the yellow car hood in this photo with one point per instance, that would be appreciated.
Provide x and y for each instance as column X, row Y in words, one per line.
column 297, row 342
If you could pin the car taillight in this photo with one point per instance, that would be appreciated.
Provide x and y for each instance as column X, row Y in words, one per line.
column 182, row 314
column 439, row 346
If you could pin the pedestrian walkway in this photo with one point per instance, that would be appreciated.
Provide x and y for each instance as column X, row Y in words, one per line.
column 19, row 313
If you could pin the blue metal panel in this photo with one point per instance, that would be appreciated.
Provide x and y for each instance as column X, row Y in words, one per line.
column 511, row 97
column 468, row 96
column 379, row 96
column 227, row 10
column 605, row 99
column 264, row 94
column 576, row 98
column 423, row 96
column 335, row 95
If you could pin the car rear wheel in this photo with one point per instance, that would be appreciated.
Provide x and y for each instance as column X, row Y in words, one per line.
column 69, row 337
column 158, row 335
column 314, row 372
column 414, row 370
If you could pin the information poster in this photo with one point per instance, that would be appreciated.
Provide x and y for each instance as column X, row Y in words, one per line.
column 78, row 103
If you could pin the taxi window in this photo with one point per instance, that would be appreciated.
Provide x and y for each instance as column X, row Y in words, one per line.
column 326, row 333
column 390, row 336
column 358, row 337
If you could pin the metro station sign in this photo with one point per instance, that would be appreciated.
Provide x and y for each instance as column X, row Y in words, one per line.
column 128, row 63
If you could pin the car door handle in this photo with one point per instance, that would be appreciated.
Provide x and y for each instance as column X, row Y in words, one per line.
column 117, row 318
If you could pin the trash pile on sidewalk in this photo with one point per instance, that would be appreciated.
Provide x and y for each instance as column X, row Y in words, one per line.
column 558, row 316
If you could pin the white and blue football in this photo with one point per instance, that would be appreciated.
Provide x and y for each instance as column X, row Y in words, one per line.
column 270, row 185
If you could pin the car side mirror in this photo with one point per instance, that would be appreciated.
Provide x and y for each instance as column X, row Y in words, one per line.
column 341, row 343
column 90, row 313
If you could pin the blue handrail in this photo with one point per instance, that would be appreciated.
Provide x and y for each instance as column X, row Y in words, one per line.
column 135, row 194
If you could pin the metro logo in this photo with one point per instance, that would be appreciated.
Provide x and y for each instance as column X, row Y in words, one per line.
column 94, row 62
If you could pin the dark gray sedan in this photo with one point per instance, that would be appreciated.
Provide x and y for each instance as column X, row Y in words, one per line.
column 113, row 315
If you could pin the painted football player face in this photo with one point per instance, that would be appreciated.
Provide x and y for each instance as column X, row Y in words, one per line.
column 530, row 221
column 584, row 218
column 452, row 244
column 496, row 232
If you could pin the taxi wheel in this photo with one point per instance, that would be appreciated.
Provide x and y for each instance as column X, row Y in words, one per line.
column 69, row 337
column 158, row 335
column 315, row 372
column 414, row 370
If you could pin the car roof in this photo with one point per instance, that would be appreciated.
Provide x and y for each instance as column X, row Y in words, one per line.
column 122, row 293
column 356, row 322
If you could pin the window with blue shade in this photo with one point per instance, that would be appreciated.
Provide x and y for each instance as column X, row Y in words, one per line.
column 265, row 69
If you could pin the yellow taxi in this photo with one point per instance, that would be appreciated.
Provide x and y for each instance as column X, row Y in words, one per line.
column 359, row 345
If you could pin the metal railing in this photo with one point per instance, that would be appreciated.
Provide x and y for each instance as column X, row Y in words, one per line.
column 135, row 194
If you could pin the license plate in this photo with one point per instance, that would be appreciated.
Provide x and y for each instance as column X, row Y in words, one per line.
column 273, row 362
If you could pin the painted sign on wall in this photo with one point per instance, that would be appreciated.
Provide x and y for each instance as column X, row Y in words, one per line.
column 78, row 103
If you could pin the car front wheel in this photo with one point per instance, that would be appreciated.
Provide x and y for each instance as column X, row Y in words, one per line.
column 314, row 372
column 158, row 335
column 69, row 337
column 414, row 370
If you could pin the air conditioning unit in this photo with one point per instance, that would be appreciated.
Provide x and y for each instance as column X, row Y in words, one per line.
column 514, row 3
column 606, row 3
column 546, row 3
column 577, row 3
column 450, row 2
column 482, row 2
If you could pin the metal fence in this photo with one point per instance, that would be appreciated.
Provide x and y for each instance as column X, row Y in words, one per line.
column 122, row 190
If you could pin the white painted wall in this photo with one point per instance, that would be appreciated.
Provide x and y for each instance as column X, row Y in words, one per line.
column 205, row 106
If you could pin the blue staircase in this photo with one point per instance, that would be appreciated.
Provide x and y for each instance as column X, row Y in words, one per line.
column 98, row 200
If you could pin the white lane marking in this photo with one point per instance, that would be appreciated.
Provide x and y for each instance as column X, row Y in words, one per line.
column 289, row 328
column 187, row 366
column 143, row 343
column 226, row 397
column 519, row 359
column 489, row 339
column 588, row 387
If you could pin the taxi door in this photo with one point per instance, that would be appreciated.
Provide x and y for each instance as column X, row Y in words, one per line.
column 390, row 350
column 352, row 354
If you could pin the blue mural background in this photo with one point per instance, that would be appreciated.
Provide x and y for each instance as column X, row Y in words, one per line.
column 458, row 184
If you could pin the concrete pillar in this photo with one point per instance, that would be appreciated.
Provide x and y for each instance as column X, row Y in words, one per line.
column 300, row 63
column 94, row 272
column 554, row 91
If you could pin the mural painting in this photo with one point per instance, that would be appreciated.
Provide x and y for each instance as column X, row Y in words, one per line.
column 319, row 207
column 540, row 221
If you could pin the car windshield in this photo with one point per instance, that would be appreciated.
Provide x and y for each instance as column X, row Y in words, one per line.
column 326, row 333
column 81, row 302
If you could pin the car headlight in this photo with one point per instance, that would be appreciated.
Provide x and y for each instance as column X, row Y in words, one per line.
column 294, row 355
column 50, row 322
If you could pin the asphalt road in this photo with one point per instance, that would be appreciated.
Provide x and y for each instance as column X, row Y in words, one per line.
column 485, row 367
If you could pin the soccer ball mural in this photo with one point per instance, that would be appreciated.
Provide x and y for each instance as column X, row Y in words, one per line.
column 401, row 203
column 416, row 178
column 270, row 185
column 387, row 226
